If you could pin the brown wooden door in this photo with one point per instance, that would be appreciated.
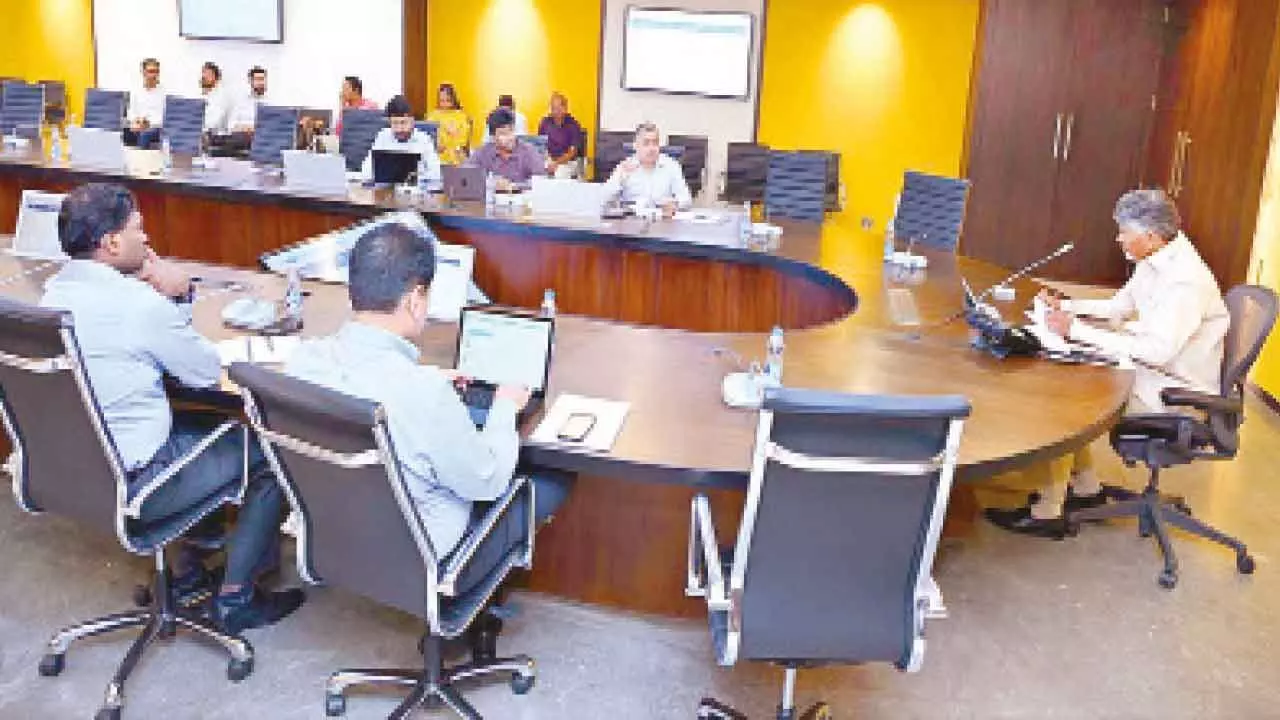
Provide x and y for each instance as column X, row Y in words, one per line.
column 1018, row 102
column 1114, row 79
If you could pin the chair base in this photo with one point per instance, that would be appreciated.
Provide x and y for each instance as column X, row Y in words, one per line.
column 161, row 620
column 710, row 709
column 433, row 685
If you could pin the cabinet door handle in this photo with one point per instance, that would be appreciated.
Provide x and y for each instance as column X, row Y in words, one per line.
column 1057, row 137
column 1182, row 162
column 1173, row 165
column 1066, row 146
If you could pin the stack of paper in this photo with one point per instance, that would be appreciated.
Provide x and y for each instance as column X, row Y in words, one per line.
column 268, row 350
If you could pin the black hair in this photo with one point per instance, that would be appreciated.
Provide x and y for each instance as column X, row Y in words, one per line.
column 255, row 70
column 386, row 264
column 355, row 83
column 499, row 118
column 452, row 92
column 213, row 66
column 91, row 212
column 398, row 106
column 507, row 101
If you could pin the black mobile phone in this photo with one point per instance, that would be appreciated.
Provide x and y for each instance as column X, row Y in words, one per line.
column 576, row 427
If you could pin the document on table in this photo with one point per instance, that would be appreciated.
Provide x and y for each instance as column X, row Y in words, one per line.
column 272, row 350
column 609, row 416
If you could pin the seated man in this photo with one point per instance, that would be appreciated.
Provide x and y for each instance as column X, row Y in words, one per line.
column 1169, row 318
column 650, row 178
column 448, row 464
column 403, row 136
column 508, row 103
column 217, row 104
column 133, row 335
column 508, row 157
column 564, row 137
column 351, row 97
column 145, row 114
column 244, row 113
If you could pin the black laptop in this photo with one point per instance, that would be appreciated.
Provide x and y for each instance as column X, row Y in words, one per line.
column 501, row 346
column 391, row 167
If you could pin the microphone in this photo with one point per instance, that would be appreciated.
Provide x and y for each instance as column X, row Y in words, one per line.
column 977, row 299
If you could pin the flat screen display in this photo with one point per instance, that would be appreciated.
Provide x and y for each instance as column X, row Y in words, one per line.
column 253, row 20
column 689, row 53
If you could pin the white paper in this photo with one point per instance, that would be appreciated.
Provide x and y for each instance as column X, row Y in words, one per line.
column 701, row 217
column 275, row 350
column 37, row 233
column 609, row 414
column 449, row 287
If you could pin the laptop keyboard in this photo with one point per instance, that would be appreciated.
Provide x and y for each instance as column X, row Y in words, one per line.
column 478, row 396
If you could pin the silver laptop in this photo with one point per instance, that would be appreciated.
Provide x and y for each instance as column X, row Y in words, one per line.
column 315, row 173
column 462, row 184
column 96, row 149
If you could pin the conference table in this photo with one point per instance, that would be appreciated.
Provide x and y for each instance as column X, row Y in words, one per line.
column 654, row 314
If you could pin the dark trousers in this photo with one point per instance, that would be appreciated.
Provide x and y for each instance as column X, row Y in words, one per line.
column 143, row 139
column 256, row 533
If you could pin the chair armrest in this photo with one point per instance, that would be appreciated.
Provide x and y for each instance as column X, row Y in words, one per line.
column 705, row 574
column 134, row 509
column 1182, row 397
column 458, row 561
column 212, row 400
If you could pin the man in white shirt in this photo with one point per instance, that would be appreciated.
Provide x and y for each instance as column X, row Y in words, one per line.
column 217, row 106
column 403, row 136
column 146, row 107
column 245, row 113
column 650, row 178
column 1169, row 318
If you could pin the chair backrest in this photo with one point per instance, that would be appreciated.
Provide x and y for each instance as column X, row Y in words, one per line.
column 694, row 160
column 1253, row 314
column 333, row 454
column 66, row 462
column 843, row 514
column 23, row 109
column 432, row 128
column 832, row 200
column 797, row 185
column 359, row 129
column 55, row 100
column 675, row 152
column 746, row 172
column 184, row 123
column 105, row 109
column 275, row 129
column 538, row 141
column 931, row 210
column 610, row 150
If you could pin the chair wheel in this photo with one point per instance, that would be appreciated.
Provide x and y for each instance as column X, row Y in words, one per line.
column 108, row 713
column 335, row 705
column 1168, row 579
column 142, row 596
column 1183, row 508
column 51, row 665
column 1244, row 563
column 238, row 670
column 522, row 684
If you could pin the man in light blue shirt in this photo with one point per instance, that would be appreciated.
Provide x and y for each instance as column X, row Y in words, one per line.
column 132, row 335
column 448, row 464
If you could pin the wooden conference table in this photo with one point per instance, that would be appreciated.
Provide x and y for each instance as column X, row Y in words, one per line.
column 647, row 313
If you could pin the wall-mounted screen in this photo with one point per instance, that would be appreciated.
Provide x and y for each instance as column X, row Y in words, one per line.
column 255, row 20
column 694, row 53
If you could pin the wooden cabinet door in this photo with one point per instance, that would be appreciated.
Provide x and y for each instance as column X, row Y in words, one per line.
column 1114, row 79
column 1015, row 140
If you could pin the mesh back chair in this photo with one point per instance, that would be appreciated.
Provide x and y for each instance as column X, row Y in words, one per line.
column 796, row 186
column 931, row 210
column 105, row 109
column 610, row 151
column 1164, row 441
column 835, row 548
column 23, row 111
column 184, row 124
column 359, row 129
column 55, row 101
column 746, row 172
column 694, row 161
column 275, row 129
column 333, row 452
column 64, row 463
column 432, row 128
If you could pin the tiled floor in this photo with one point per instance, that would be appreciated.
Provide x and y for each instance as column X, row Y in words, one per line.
column 1038, row 629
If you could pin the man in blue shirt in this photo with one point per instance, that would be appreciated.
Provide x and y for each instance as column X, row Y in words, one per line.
column 132, row 335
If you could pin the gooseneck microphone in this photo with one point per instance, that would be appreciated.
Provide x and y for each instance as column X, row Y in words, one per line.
column 977, row 299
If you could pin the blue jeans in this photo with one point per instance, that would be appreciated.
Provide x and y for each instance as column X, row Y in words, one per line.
column 257, row 528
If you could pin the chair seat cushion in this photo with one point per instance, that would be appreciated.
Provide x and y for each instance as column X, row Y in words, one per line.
column 148, row 536
column 1144, row 438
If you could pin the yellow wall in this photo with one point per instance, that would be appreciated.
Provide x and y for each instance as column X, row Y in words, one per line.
column 524, row 48
column 884, row 83
column 49, row 40
column 1265, row 266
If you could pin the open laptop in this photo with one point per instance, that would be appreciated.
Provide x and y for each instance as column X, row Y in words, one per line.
column 463, row 184
column 96, row 149
column 498, row 346
column 394, row 168
column 318, row 173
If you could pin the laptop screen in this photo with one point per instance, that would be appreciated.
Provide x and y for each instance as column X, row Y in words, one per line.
column 500, row 348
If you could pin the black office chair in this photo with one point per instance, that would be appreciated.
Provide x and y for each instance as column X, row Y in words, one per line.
column 835, row 547
column 834, row 196
column 610, row 151
column 360, row 129
column 55, row 101
column 746, row 172
column 184, row 124
column 1164, row 441
column 432, row 128
column 931, row 210
column 333, row 453
column 313, row 122
column 797, row 185
column 538, row 141
column 275, row 129
column 22, row 113
column 64, row 463
column 105, row 109
column 694, row 160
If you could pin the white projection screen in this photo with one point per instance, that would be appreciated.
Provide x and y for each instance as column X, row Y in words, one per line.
column 254, row 20
column 688, row 52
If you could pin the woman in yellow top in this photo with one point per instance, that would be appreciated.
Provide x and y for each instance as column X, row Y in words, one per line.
column 454, row 136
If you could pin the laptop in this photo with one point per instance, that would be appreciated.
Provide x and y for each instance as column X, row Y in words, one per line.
column 394, row 168
column 498, row 346
column 317, row 173
column 96, row 149
column 462, row 184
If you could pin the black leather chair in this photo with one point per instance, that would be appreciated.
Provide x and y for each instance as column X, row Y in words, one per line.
column 22, row 113
column 746, row 172
column 694, row 160
column 835, row 547
column 931, row 210
column 432, row 128
column 797, row 185
column 333, row 452
column 313, row 122
column 359, row 129
column 610, row 150
column 55, row 101
column 1164, row 441
column 834, row 196
column 105, row 109
column 275, row 129
column 184, row 124
column 64, row 463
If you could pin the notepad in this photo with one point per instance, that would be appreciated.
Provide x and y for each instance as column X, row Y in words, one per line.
column 609, row 416
column 273, row 350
